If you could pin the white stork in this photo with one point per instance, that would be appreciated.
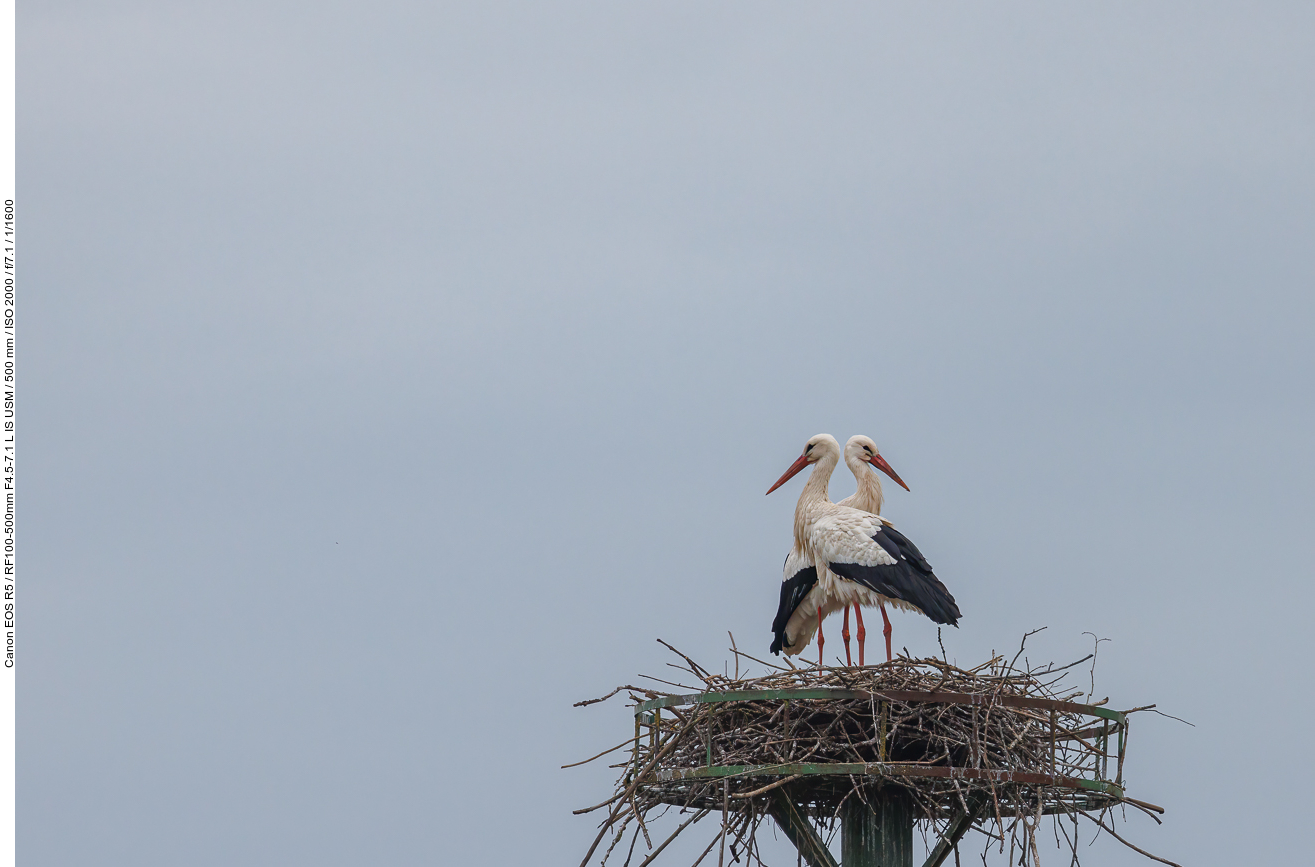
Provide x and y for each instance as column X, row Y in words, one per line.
column 836, row 547
column 826, row 597
column 861, row 450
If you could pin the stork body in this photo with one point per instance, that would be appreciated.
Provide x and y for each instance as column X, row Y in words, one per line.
column 861, row 455
column 808, row 594
column 841, row 554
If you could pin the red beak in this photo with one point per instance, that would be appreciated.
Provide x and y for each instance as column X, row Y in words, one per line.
column 792, row 472
column 880, row 463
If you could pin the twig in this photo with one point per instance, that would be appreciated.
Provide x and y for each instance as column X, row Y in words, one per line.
column 756, row 792
column 1094, row 651
column 671, row 683
column 1138, row 849
column 658, row 851
column 1023, row 644
column 625, row 743
column 1170, row 716
column 606, row 697
column 694, row 666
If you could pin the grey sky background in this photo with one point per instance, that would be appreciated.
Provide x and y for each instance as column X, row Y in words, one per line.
column 394, row 374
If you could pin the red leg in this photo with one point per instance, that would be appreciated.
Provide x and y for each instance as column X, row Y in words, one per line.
column 862, row 633
column 844, row 633
column 820, row 639
column 886, row 631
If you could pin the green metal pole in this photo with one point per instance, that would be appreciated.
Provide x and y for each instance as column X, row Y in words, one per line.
column 797, row 827
column 880, row 835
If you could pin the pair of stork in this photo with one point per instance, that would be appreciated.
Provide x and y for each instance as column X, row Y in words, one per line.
column 847, row 554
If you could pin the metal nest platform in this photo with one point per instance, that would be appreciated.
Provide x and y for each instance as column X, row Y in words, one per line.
column 993, row 747
column 942, row 745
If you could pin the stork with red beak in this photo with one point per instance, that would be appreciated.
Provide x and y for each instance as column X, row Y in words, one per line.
column 839, row 552
column 860, row 454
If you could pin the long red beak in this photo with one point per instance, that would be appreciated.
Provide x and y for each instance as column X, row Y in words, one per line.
column 791, row 473
column 880, row 463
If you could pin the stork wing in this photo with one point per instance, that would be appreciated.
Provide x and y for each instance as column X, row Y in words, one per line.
column 866, row 550
column 798, row 578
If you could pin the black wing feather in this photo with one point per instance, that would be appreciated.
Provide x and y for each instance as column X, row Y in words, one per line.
column 909, row 578
column 793, row 592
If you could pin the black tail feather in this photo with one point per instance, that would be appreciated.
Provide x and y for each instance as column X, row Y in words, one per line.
column 793, row 592
column 909, row 578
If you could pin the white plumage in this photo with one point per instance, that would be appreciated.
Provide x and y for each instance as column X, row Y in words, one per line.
column 862, row 456
column 836, row 547
column 831, row 594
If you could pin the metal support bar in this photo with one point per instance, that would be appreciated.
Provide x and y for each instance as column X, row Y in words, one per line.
column 879, row 835
column 954, row 833
column 888, row 694
column 1123, row 748
column 800, row 831
column 894, row 769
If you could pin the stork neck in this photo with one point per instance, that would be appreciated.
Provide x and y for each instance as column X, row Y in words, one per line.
column 870, row 497
column 816, row 489
column 811, row 502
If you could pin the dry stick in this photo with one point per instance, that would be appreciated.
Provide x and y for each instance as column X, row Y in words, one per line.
column 630, row 790
column 1072, row 842
column 1052, row 670
column 694, row 666
column 1095, row 651
column 753, row 838
column 634, row 838
column 606, row 697
column 708, row 679
column 1138, row 709
column 625, row 743
column 1129, row 845
column 767, row 788
column 741, row 828
column 1023, row 644
column 620, row 834
column 1144, row 806
column 1170, row 716
column 989, row 662
column 658, row 851
column 725, row 817
column 595, row 806
column 715, row 838
column 648, row 841
column 670, row 683
column 764, row 662
column 1036, row 822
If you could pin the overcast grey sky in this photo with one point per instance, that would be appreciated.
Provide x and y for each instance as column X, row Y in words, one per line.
column 393, row 374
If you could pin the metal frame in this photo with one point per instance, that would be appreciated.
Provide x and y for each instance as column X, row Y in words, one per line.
column 1106, row 722
column 649, row 713
column 792, row 817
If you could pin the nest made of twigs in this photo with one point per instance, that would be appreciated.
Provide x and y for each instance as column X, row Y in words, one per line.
column 941, row 733
column 995, row 742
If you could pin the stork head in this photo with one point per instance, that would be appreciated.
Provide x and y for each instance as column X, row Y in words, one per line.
column 816, row 449
column 861, row 448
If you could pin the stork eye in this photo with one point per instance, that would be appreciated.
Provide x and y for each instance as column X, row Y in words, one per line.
column 809, row 449
column 866, row 449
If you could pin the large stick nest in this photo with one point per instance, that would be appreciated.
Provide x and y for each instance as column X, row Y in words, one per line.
column 991, row 751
